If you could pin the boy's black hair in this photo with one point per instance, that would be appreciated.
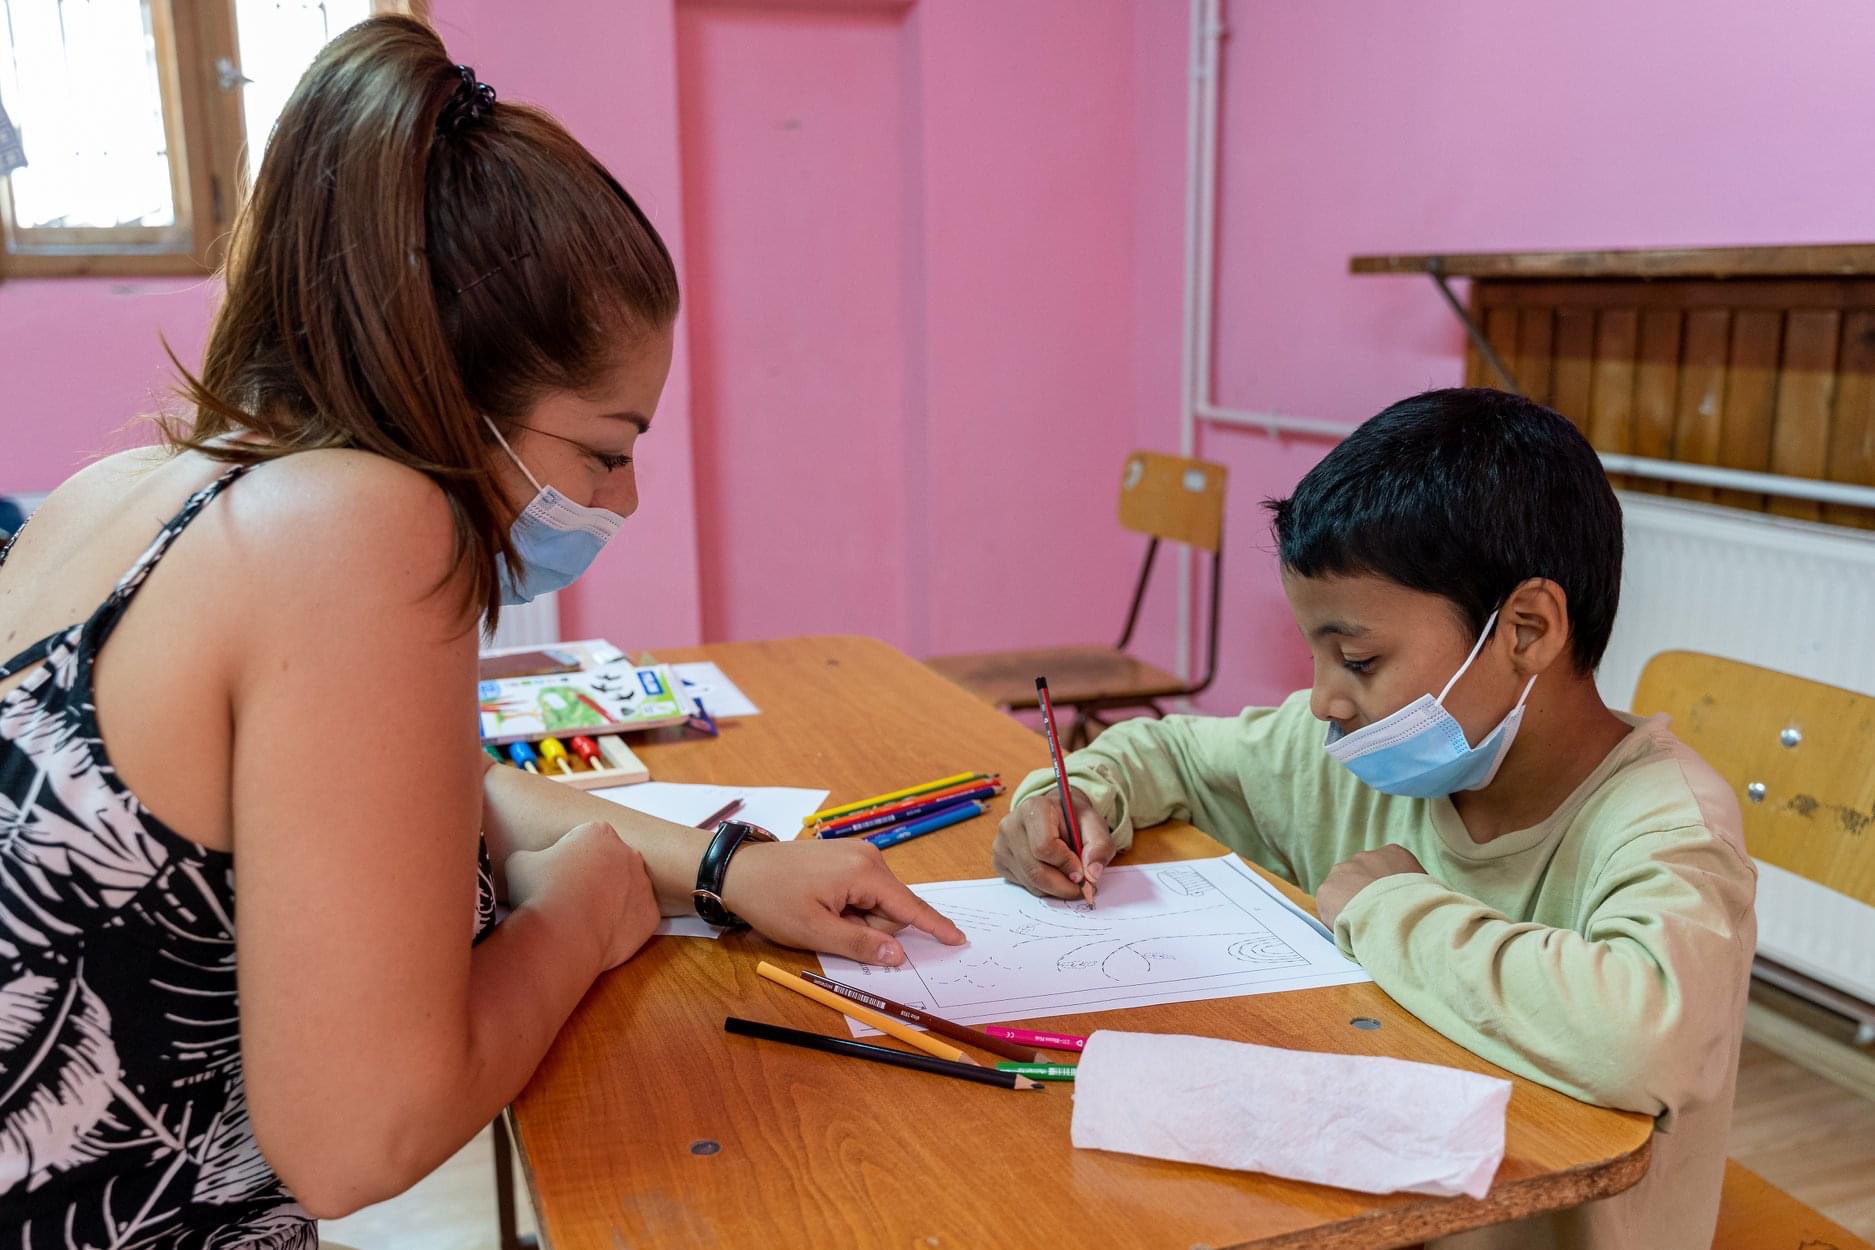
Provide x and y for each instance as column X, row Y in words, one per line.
column 1464, row 493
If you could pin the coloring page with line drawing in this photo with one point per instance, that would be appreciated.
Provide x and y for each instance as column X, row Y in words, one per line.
column 1158, row 933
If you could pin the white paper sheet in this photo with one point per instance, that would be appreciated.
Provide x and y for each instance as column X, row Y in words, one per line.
column 1358, row 1121
column 722, row 697
column 779, row 809
column 1158, row 933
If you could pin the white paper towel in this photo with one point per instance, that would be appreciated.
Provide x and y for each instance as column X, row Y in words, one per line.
column 1357, row 1121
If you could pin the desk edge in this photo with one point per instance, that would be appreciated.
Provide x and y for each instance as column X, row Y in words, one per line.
column 1441, row 1217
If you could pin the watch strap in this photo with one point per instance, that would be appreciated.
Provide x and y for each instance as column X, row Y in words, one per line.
column 730, row 837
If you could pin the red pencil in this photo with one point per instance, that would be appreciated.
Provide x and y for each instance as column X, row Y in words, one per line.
column 989, row 787
column 1072, row 826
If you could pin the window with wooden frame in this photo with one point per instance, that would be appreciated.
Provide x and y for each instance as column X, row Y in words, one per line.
column 128, row 128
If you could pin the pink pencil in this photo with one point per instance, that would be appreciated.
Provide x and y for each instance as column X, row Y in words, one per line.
column 1047, row 1041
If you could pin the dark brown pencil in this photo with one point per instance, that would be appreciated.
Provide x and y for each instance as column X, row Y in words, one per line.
column 721, row 814
column 925, row 1020
column 877, row 1054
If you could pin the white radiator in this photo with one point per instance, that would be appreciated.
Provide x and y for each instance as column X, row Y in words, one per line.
column 1787, row 595
column 529, row 625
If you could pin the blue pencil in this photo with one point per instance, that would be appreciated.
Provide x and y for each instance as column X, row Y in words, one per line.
column 930, row 824
column 916, row 812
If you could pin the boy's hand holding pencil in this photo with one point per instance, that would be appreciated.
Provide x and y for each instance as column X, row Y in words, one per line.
column 1065, row 798
column 1032, row 849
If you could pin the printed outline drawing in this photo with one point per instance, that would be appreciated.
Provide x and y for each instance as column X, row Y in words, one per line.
column 1249, row 940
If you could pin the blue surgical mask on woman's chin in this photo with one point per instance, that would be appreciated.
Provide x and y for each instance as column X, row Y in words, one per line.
column 554, row 539
column 1420, row 751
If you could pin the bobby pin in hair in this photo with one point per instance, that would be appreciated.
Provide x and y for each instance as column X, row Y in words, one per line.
column 491, row 273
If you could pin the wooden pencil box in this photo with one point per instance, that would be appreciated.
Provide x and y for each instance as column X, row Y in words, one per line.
column 622, row 766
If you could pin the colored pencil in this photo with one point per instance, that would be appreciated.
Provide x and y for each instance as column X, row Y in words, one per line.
column 944, row 819
column 1047, row 1041
column 1071, row 826
column 877, row 800
column 1040, row 1071
column 924, row 1019
column 891, row 813
column 877, row 1054
column 865, row 1015
column 721, row 814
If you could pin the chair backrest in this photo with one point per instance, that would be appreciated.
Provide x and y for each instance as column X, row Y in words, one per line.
column 1800, row 755
column 1173, row 498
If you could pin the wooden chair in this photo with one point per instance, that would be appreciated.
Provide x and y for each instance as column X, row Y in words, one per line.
column 1162, row 497
column 1756, row 1215
column 1801, row 756
column 507, row 1231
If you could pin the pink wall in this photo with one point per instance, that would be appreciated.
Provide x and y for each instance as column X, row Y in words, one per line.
column 934, row 256
column 910, row 273
column 1463, row 124
column 80, row 358
column 797, row 198
column 1029, row 160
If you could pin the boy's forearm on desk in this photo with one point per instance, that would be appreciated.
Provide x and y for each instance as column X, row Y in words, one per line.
column 523, row 812
column 1594, row 1019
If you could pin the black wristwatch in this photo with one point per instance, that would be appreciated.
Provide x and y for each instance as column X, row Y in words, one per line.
column 730, row 837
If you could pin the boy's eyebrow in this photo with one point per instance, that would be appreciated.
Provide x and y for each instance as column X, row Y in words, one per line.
column 1338, row 629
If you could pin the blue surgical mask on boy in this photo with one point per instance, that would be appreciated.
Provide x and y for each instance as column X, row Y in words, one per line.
column 1420, row 751
column 555, row 539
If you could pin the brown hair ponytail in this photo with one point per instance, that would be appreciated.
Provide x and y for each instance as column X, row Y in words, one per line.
column 411, row 258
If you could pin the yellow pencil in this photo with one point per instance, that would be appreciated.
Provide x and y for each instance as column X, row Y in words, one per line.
column 865, row 1015
column 906, row 793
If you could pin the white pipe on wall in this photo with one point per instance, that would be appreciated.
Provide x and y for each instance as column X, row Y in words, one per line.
column 1207, row 32
column 1742, row 479
column 1207, row 29
column 1187, row 382
column 1274, row 423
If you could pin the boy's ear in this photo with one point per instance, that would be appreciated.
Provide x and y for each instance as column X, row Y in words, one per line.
column 1538, row 615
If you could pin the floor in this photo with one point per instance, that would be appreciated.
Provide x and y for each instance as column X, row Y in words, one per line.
column 1799, row 1131
column 453, row 1208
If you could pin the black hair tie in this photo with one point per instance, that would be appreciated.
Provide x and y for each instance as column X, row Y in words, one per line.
column 471, row 100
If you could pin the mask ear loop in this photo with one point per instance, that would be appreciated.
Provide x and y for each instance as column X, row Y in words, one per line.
column 536, row 481
column 1475, row 648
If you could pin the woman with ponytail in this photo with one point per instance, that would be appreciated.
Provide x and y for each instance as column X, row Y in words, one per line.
column 445, row 330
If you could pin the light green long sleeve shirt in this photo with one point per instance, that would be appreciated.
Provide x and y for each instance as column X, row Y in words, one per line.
column 1604, row 952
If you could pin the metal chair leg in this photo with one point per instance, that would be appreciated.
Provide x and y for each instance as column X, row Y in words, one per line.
column 1077, row 732
column 507, row 1232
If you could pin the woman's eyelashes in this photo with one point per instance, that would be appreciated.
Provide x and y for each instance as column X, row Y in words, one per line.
column 611, row 462
column 1359, row 667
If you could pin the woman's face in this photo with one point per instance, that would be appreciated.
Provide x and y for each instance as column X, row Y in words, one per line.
column 584, row 443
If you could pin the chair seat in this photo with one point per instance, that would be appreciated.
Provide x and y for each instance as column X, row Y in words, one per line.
column 1756, row 1215
column 1075, row 675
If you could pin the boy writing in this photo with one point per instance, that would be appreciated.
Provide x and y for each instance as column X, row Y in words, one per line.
column 1559, row 887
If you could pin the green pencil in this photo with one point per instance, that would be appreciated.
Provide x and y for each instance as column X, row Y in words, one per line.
column 1040, row 1071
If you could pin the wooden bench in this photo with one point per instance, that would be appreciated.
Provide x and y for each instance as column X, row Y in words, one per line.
column 1756, row 1215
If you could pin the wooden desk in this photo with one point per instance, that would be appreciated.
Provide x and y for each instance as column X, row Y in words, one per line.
column 648, row 1126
